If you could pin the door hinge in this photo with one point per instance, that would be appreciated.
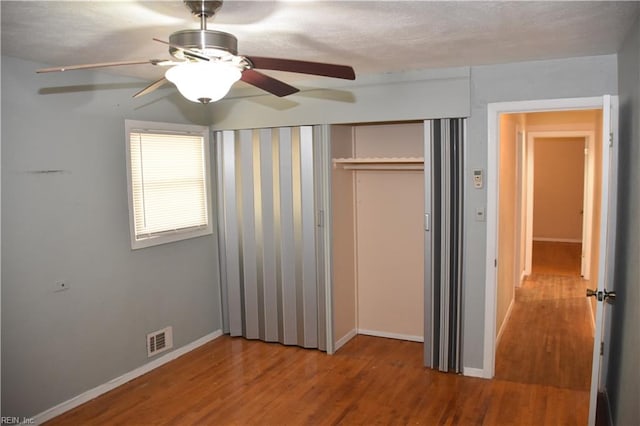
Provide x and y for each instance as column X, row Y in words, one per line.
column 601, row 348
column 611, row 139
column 495, row 263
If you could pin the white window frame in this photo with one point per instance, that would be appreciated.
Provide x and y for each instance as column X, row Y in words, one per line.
column 178, row 234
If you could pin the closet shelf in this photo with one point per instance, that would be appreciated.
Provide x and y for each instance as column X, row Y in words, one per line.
column 382, row 163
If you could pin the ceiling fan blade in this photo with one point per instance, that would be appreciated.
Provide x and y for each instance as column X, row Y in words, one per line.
column 187, row 52
column 101, row 65
column 269, row 84
column 150, row 88
column 303, row 67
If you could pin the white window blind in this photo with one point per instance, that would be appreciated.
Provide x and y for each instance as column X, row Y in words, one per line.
column 168, row 173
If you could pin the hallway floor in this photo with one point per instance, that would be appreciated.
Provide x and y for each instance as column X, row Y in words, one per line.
column 549, row 337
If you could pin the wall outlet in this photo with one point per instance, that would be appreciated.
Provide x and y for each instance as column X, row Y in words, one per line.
column 60, row 286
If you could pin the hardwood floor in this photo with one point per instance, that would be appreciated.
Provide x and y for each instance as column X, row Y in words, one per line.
column 233, row 381
column 556, row 258
column 549, row 337
column 541, row 365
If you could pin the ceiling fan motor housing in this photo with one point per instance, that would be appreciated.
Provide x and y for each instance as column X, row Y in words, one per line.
column 209, row 42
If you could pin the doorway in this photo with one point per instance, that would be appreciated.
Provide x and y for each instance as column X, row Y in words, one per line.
column 607, row 202
column 544, row 322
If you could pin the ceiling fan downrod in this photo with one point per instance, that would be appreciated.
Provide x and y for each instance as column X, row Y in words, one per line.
column 203, row 9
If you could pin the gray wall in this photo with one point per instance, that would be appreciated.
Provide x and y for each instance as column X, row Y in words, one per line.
column 562, row 78
column 623, row 381
column 73, row 225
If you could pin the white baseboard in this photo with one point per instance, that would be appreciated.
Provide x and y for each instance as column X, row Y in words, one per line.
column 504, row 322
column 473, row 372
column 558, row 240
column 523, row 277
column 344, row 339
column 391, row 335
column 118, row 381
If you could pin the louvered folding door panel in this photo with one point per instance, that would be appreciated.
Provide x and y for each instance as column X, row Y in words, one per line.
column 267, row 235
column 444, row 143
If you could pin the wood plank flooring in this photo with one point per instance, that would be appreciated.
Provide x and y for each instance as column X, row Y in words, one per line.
column 556, row 258
column 233, row 381
column 549, row 337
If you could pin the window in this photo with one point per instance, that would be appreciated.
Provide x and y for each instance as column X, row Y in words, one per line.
column 168, row 179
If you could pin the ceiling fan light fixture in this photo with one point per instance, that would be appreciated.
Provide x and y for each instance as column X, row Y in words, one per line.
column 204, row 82
column 209, row 63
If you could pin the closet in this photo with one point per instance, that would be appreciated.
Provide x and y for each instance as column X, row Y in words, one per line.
column 377, row 196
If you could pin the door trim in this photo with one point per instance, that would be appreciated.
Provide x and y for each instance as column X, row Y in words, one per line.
column 493, row 151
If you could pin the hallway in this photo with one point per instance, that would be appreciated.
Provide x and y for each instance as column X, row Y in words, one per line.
column 549, row 337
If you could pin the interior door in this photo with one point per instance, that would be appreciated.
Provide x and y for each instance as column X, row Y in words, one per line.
column 607, row 245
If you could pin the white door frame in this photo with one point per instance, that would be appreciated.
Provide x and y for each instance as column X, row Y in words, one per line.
column 587, row 218
column 521, row 209
column 493, row 151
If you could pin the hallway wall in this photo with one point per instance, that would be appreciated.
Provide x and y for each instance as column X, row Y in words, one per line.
column 508, row 223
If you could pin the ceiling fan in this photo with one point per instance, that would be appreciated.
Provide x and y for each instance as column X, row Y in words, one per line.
column 207, row 63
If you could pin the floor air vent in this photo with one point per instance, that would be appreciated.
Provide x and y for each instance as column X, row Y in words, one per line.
column 159, row 341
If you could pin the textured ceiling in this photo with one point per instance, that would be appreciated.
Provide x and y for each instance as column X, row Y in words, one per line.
column 372, row 36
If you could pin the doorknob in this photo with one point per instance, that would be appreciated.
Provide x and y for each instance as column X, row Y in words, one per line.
column 608, row 296
column 595, row 293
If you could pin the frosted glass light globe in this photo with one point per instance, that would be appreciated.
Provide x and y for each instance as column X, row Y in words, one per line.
column 204, row 81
